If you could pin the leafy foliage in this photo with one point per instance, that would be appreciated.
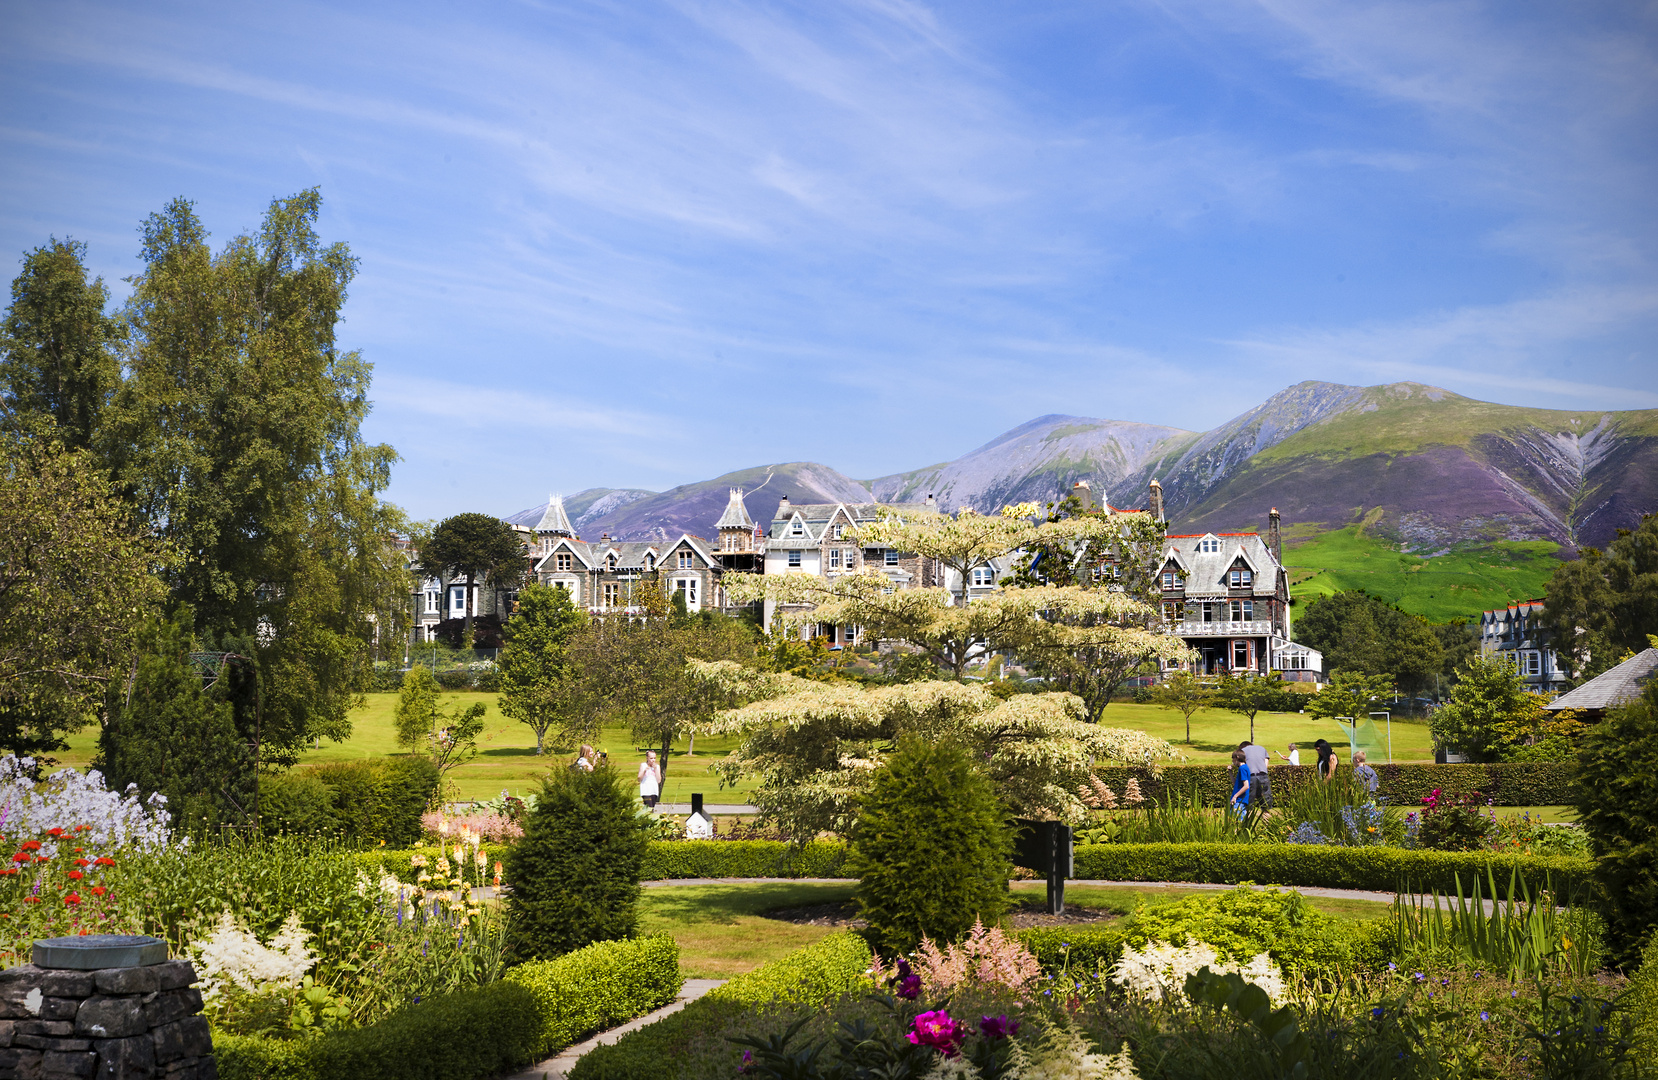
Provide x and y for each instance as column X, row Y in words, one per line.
column 474, row 547
column 1184, row 693
column 1492, row 717
column 930, row 847
column 540, row 685
column 1247, row 693
column 1351, row 694
column 364, row 803
column 575, row 874
column 1360, row 633
column 1617, row 802
column 1601, row 606
column 75, row 585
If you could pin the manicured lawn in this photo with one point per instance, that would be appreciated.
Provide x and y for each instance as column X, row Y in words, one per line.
column 721, row 931
column 1216, row 733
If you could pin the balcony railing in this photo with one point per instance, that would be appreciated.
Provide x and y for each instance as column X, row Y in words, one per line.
column 1241, row 628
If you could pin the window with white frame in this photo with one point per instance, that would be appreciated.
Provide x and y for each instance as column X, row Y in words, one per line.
column 686, row 559
column 851, row 558
column 983, row 575
column 1174, row 610
column 797, row 527
column 433, row 600
column 650, row 561
column 1242, row 578
column 610, row 562
column 1173, row 581
column 1240, row 654
column 794, row 558
column 892, row 557
column 612, row 594
column 1209, row 546
column 687, row 588
column 1243, row 610
column 563, row 561
column 834, row 558
column 849, row 633
column 457, row 602
column 1531, row 662
column 838, row 532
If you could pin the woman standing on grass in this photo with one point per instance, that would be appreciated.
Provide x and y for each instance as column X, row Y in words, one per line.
column 1240, row 783
column 650, row 780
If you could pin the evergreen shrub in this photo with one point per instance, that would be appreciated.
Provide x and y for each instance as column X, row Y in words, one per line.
column 600, row 986
column 1618, row 805
column 457, row 679
column 930, row 847
column 575, row 874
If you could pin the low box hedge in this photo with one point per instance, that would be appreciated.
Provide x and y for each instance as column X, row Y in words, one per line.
column 1381, row 869
column 811, row 976
column 537, row 1009
column 1532, row 783
column 666, row 859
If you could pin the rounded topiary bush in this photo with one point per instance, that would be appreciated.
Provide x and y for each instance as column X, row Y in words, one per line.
column 575, row 874
column 930, row 848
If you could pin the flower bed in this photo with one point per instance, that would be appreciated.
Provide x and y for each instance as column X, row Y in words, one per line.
column 1381, row 869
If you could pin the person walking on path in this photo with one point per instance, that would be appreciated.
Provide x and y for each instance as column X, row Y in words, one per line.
column 1364, row 774
column 1293, row 757
column 1240, row 783
column 1260, row 783
column 1327, row 759
column 650, row 780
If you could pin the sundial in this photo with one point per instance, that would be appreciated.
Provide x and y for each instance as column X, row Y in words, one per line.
column 91, row 952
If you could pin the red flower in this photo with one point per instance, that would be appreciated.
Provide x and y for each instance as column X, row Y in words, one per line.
column 82, row 862
column 31, row 899
column 75, row 875
column 54, row 832
column 83, row 828
column 103, row 862
column 99, row 890
column 31, row 845
column 21, row 856
column 8, row 871
column 72, row 898
column 79, row 850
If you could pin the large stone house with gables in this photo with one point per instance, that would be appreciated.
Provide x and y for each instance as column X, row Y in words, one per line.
column 606, row 574
column 1227, row 595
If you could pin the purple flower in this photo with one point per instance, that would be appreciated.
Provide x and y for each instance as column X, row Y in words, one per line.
column 909, row 987
column 937, row 1030
column 1485, row 1015
column 748, row 1058
column 1378, row 1012
column 998, row 1027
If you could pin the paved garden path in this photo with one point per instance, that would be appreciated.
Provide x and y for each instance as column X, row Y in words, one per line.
column 558, row 1066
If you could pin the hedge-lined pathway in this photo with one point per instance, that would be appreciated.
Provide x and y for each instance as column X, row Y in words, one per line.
column 1333, row 894
column 558, row 1066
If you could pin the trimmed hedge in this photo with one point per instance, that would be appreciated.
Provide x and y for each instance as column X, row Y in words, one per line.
column 536, row 1010
column 1319, row 866
column 811, row 976
column 1085, row 948
column 600, row 986
column 376, row 800
column 1529, row 783
column 666, row 859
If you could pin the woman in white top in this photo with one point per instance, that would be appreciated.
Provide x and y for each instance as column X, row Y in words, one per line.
column 650, row 780
column 1294, row 757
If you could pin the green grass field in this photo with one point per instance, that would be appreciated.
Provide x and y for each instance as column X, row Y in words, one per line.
column 1460, row 584
column 722, row 932
column 1216, row 733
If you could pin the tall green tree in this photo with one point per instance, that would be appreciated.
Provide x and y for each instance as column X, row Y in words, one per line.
column 540, row 683
column 476, row 547
column 1184, row 693
column 57, row 358
column 172, row 738
column 1247, row 693
column 1351, row 694
column 1601, row 606
column 76, row 583
column 1488, row 706
column 236, row 438
column 1359, row 632
column 1617, row 801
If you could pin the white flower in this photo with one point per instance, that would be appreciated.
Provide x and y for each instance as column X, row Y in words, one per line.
column 234, row 956
column 1160, row 970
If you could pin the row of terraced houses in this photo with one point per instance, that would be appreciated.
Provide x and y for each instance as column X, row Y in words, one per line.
column 1225, row 594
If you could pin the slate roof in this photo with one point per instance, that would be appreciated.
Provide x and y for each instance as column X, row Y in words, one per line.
column 736, row 514
column 816, row 517
column 1206, row 571
column 1622, row 684
column 554, row 519
column 630, row 554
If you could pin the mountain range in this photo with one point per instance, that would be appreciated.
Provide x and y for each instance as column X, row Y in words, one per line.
column 1418, row 469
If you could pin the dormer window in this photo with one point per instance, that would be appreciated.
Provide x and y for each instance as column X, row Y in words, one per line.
column 610, row 562
column 838, row 533
column 797, row 527
column 1209, row 546
column 562, row 561
column 983, row 576
column 685, row 562
column 1242, row 578
column 650, row 562
column 1173, row 581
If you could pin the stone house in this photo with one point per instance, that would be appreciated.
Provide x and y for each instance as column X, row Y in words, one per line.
column 1516, row 632
column 605, row 575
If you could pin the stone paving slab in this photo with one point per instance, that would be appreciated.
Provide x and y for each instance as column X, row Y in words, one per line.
column 558, row 1066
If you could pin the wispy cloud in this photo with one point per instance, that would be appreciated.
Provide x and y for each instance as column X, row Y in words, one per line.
column 486, row 408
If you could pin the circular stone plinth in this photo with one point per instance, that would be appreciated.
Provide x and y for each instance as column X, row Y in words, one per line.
column 89, row 952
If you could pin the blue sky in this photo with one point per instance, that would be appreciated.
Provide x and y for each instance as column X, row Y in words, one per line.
column 639, row 244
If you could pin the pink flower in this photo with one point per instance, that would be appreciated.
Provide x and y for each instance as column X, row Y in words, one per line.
column 937, row 1030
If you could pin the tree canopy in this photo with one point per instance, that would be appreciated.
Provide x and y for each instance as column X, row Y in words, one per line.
column 474, row 546
column 1601, row 606
column 541, row 686
column 1358, row 632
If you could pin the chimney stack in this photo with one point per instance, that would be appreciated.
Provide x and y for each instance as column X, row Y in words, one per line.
column 1275, row 539
column 1084, row 493
column 1157, row 501
column 782, row 504
column 932, row 503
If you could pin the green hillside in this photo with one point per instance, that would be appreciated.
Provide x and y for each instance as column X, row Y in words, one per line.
column 1440, row 588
